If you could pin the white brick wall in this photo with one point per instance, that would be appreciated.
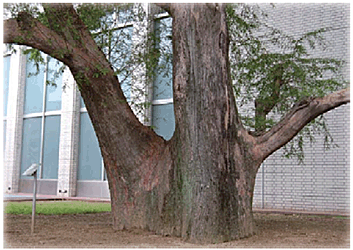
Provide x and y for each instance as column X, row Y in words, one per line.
column 12, row 155
column 322, row 182
column 69, row 137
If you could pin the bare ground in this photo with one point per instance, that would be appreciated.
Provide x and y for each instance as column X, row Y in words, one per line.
column 95, row 230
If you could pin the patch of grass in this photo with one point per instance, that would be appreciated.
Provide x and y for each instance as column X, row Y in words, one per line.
column 57, row 207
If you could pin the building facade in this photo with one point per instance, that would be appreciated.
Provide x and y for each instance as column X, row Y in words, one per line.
column 49, row 124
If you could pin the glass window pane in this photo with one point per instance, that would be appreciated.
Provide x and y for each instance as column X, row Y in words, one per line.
column 117, row 45
column 90, row 158
column 34, row 89
column 163, row 88
column 82, row 103
column 4, row 137
column 125, row 14
column 30, row 143
column 163, row 120
column 6, row 81
column 53, row 98
column 51, row 147
column 120, row 57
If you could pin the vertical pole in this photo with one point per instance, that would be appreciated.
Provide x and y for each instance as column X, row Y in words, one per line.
column 43, row 118
column 34, row 201
column 263, row 185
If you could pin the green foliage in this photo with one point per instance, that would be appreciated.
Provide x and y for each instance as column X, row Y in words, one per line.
column 91, row 14
column 57, row 207
column 277, row 70
column 295, row 149
column 55, row 74
column 36, row 57
column 81, row 80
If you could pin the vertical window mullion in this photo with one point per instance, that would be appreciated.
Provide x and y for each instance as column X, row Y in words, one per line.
column 102, row 170
column 43, row 119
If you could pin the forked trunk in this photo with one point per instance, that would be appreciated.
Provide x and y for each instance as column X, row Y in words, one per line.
column 199, row 185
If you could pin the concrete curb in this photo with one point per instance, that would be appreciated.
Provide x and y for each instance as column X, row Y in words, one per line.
column 280, row 211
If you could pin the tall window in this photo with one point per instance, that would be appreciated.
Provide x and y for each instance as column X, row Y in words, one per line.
column 6, row 75
column 90, row 158
column 41, row 125
column 163, row 119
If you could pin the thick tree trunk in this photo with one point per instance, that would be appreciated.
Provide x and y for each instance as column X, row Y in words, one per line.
column 214, row 173
column 199, row 185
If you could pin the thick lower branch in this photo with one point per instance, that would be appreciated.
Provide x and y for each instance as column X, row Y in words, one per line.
column 116, row 127
column 300, row 115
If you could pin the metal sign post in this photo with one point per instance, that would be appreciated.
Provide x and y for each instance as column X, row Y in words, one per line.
column 32, row 171
column 34, row 201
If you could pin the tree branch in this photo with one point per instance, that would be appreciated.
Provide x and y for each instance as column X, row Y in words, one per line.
column 68, row 40
column 299, row 116
column 62, row 19
column 26, row 30
column 264, row 103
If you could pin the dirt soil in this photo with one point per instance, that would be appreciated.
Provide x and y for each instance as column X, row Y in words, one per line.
column 95, row 230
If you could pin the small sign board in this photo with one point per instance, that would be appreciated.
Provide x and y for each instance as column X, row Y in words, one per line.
column 31, row 170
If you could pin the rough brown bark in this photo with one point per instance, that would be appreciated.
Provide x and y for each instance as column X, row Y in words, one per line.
column 212, row 189
column 199, row 185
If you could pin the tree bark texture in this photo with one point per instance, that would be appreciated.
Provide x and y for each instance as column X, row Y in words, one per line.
column 213, row 172
column 198, row 185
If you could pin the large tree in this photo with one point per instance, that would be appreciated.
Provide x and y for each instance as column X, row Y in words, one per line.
column 199, row 184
